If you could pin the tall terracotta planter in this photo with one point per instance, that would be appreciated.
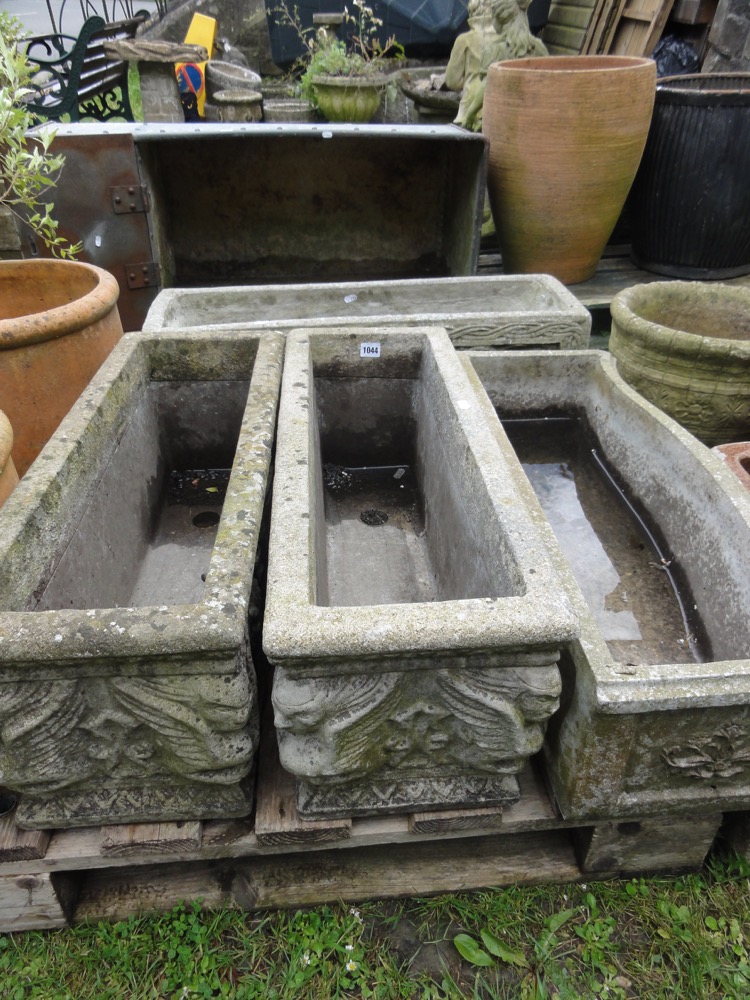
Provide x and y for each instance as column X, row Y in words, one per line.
column 58, row 322
column 8, row 474
column 566, row 136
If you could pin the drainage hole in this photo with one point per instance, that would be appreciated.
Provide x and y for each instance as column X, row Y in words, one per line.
column 373, row 517
column 206, row 519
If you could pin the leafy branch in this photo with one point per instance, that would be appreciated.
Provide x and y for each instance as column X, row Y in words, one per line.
column 28, row 169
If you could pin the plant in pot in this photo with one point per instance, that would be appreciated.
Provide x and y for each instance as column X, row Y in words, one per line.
column 345, row 81
column 58, row 317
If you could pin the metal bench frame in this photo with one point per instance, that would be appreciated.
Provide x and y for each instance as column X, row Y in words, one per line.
column 76, row 77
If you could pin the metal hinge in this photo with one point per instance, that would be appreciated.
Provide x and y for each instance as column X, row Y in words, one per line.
column 145, row 274
column 129, row 198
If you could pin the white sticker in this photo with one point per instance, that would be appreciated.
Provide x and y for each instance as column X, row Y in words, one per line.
column 350, row 298
column 369, row 350
column 98, row 241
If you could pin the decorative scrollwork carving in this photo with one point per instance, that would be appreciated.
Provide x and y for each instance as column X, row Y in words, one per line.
column 722, row 755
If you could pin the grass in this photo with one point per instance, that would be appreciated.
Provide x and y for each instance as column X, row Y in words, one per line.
column 660, row 938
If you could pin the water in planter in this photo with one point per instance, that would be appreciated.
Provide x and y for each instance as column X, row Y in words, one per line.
column 642, row 610
column 147, row 534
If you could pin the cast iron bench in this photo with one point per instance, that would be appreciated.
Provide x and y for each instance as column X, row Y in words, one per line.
column 76, row 77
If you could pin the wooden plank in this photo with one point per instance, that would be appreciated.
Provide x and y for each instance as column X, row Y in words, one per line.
column 325, row 876
column 31, row 902
column 568, row 23
column 608, row 35
column 448, row 820
column 669, row 843
column 694, row 11
column 640, row 26
column 276, row 819
column 598, row 23
column 148, row 839
column 21, row 845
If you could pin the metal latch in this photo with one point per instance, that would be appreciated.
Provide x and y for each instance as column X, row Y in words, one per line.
column 146, row 274
column 129, row 198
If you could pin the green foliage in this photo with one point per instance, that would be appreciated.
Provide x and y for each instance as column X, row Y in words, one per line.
column 659, row 938
column 28, row 169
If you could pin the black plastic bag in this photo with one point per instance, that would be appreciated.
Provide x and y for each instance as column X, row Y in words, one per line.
column 675, row 57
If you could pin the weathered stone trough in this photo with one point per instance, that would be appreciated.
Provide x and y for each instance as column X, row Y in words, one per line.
column 127, row 689
column 655, row 710
column 497, row 311
column 412, row 612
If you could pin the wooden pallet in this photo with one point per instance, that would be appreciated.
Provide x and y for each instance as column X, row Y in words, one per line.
column 276, row 859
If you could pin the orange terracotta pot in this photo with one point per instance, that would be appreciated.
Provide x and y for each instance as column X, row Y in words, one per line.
column 58, row 322
column 8, row 474
column 566, row 136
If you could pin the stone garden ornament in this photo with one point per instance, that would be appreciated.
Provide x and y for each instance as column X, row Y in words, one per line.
column 498, row 30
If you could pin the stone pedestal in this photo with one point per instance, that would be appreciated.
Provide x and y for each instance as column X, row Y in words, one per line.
column 160, row 94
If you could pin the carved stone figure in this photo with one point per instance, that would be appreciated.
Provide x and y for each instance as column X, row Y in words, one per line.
column 498, row 30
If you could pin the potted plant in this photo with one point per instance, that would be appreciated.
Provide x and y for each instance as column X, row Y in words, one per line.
column 58, row 318
column 344, row 81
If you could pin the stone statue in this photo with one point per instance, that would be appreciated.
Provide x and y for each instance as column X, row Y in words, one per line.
column 498, row 29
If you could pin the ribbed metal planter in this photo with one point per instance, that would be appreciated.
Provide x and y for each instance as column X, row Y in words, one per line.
column 691, row 198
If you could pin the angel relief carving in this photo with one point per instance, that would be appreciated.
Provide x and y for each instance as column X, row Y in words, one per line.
column 336, row 730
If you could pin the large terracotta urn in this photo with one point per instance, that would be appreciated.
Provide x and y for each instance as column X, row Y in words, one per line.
column 566, row 135
column 8, row 474
column 685, row 346
column 58, row 322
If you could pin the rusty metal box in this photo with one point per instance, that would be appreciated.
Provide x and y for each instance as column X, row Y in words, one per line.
column 197, row 205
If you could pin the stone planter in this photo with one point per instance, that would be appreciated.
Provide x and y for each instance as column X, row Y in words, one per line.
column 348, row 98
column 498, row 311
column 235, row 106
column 8, row 474
column 127, row 690
column 685, row 346
column 411, row 612
column 58, row 322
column 645, row 727
column 566, row 136
column 690, row 205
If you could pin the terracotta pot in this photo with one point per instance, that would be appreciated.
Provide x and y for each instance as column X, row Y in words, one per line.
column 737, row 457
column 58, row 322
column 8, row 474
column 566, row 136
column 685, row 346
column 348, row 99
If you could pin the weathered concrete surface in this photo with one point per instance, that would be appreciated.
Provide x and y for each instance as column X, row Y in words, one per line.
column 498, row 311
column 729, row 39
column 638, row 739
column 112, row 713
column 389, row 699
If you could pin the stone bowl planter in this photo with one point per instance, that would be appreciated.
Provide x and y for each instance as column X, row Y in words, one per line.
column 566, row 136
column 127, row 687
column 234, row 106
column 348, row 98
column 412, row 616
column 58, row 322
column 643, row 730
column 685, row 346
column 8, row 474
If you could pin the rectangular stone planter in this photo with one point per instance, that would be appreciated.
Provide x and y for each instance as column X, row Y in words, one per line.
column 640, row 734
column 412, row 614
column 127, row 689
column 530, row 310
